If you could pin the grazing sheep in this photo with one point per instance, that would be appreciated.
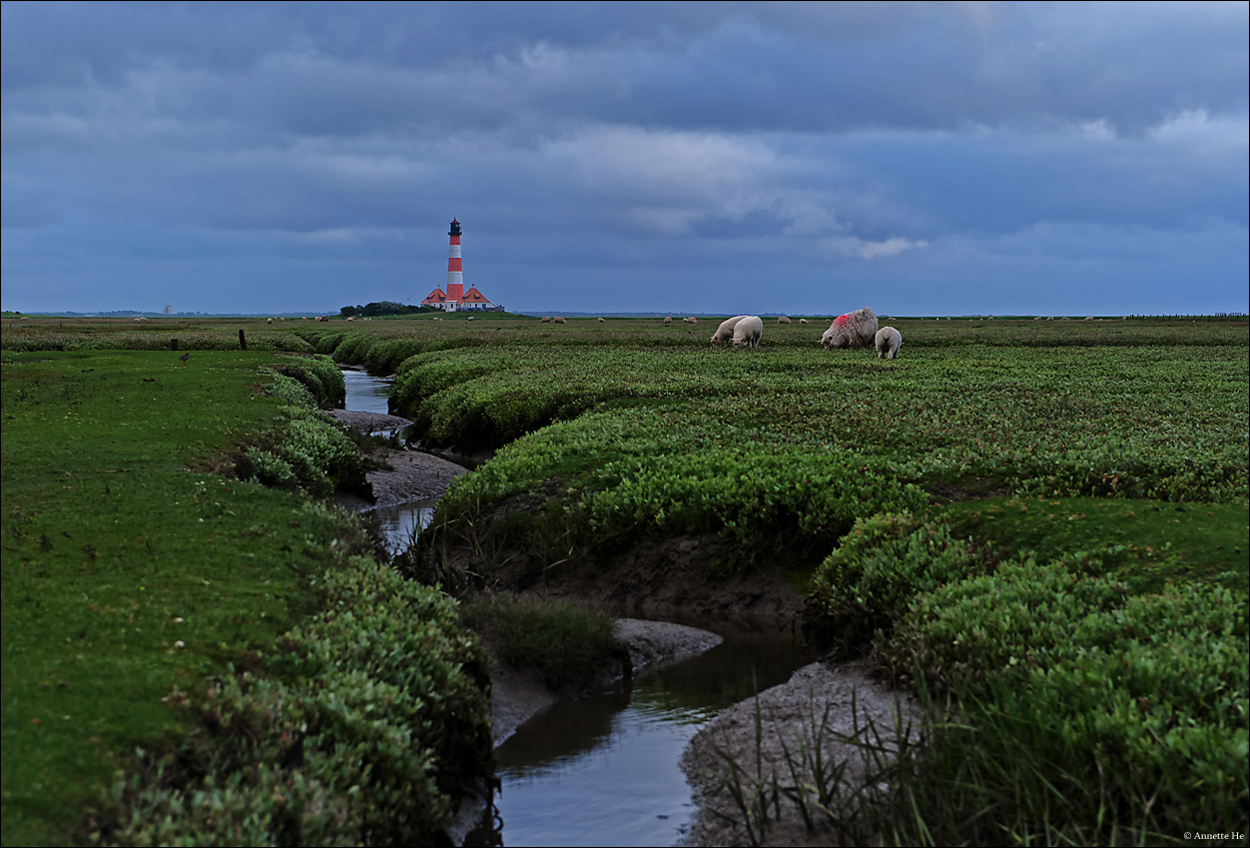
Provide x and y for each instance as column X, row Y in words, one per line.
column 470, row 318
column 546, row 319
column 351, row 319
column 725, row 331
column 747, row 332
column 784, row 319
column 668, row 320
column 1089, row 317
column 560, row 320
column 854, row 329
column 603, row 321
column 889, row 340
column 804, row 321
column 268, row 320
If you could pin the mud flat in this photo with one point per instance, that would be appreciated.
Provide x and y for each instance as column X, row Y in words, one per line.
column 788, row 712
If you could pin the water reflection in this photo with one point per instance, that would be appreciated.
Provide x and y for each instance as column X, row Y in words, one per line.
column 402, row 523
column 366, row 393
column 604, row 770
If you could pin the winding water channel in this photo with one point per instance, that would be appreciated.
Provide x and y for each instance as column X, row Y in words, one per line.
column 604, row 770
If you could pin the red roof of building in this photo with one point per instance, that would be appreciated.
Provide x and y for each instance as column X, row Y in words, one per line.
column 473, row 296
column 435, row 296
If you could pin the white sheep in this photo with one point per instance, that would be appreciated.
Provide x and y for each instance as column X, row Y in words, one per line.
column 268, row 320
column 603, row 321
column 668, row 319
column 560, row 320
column 546, row 319
column 889, row 340
column 747, row 332
column 804, row 321
column 854, row 329
column 784, row 319
column 725, row 331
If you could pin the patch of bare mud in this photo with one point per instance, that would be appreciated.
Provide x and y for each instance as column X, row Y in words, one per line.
column 413, row 476
column 368, row 422
column 789, row 712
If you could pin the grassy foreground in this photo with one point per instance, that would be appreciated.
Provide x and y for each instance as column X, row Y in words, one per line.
column 1044, row 522
column 187, row 625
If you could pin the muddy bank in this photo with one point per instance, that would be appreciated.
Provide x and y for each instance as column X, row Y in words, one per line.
column 666, row 581
column 788, row 712
column 368, row 422
column 517, row 696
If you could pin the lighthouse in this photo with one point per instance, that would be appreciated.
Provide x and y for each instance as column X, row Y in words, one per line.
column 456, row 298
column 455, row 275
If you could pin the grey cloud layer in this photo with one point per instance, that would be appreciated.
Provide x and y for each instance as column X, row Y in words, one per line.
column 766, row 133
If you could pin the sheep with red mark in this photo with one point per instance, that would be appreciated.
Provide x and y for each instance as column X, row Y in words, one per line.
column 854, row 329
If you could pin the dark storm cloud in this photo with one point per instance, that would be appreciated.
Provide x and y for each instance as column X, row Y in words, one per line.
column 944, row 142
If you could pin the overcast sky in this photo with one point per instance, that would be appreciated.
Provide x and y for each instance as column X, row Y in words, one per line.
column 923, row 159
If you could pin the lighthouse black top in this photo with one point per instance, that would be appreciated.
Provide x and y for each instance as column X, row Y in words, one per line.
column 455, row 228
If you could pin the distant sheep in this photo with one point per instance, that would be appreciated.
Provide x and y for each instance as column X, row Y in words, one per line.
column 725, row 331
column 560, row 320
column 470, row 318
column 268, row 320
column 854, row 329
column 804, row 321
column 546, row 319
column 748, row 331
column 889, row 340
column 783, row 320
column 603, row 321
column 668, row 320
column 140, row 319
column 351, row 319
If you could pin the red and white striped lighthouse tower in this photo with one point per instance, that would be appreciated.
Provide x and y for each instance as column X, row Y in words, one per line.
column 455, row 276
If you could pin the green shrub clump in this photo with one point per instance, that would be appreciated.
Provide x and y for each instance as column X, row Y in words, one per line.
column 309, row 451
column 568, row 645
column 371, row 728
column 321, row 376
column 876, row 571
column 1117, row 712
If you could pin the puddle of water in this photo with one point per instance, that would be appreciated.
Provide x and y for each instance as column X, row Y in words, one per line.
column 402, row 523
column 604, row 770
column 366, row 393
